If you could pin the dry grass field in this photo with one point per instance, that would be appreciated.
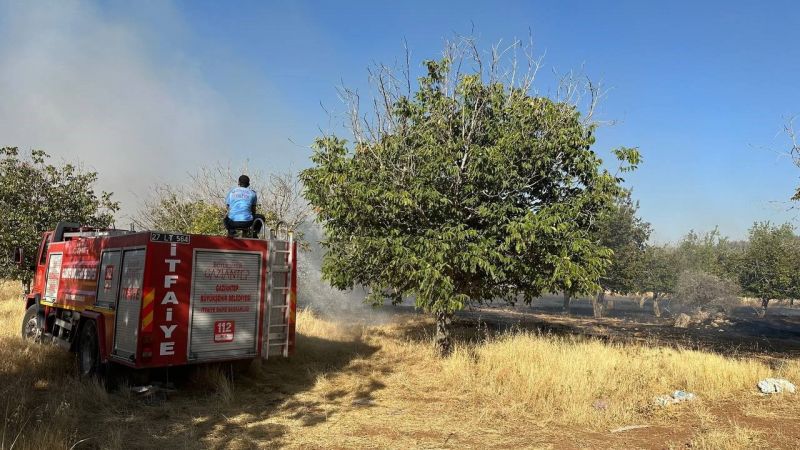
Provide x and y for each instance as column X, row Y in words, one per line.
column 359, row 386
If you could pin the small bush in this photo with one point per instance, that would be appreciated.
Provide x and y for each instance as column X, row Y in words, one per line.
column 706, row 292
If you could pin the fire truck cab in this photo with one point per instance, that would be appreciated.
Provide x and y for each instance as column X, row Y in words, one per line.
column 153, row 299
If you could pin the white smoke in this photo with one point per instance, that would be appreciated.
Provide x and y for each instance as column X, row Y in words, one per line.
column 314, row 292
column 84, row 85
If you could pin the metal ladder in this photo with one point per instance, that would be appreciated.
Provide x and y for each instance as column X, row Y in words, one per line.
column 279, row 285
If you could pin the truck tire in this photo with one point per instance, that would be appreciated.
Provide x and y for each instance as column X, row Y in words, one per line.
column 89, row 351
column 31, row 324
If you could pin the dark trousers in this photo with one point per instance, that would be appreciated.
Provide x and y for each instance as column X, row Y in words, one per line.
column 248, row 225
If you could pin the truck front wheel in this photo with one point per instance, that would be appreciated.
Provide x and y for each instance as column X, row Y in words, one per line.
column 31, row 326
column 88, row 351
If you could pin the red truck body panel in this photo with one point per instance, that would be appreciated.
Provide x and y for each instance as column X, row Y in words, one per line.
column 161, row 299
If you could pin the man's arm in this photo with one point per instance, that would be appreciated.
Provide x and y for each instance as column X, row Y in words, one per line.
column 253, row 205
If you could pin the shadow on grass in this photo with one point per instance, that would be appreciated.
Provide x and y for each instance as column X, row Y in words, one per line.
column 222, row 409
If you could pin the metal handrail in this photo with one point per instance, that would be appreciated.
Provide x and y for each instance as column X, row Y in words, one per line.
column 280, row 228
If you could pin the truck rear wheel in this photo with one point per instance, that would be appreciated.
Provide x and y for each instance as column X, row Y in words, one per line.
column 89, row 351
column 31, row 326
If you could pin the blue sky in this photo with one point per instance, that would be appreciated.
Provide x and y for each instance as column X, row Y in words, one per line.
column 147, row 91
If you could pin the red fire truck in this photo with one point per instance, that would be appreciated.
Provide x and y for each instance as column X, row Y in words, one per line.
column 153, row 299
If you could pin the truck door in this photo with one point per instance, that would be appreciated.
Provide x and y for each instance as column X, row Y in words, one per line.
column 129, row 304
column 41, row 266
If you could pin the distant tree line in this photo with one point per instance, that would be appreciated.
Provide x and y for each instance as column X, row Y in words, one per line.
column 705, row 271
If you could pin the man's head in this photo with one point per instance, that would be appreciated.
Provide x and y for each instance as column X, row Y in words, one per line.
column 244, row 181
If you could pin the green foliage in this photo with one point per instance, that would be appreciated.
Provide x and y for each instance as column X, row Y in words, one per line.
column 35, row 195
column 710, row 252
column 171, row 212
column 620, row 230
column 477, row 191
column 660, row 270
column 769, row 265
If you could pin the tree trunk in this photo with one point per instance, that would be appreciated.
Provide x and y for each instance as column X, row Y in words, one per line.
column 567, row 301
column 598, row 304
column 26, row 287
column 443, row 340
column 642, row 299
column 656, row 306
column 763, row 311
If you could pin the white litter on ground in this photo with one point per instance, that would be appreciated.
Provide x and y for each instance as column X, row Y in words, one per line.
column 676, row 397
column 775, row 386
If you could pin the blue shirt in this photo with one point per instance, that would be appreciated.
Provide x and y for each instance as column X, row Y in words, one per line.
column 241, row 201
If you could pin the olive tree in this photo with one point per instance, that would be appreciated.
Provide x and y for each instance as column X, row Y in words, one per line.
column 463, row 187
column 34, row 196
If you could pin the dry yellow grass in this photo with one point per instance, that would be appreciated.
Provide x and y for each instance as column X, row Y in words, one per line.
column 383, row 387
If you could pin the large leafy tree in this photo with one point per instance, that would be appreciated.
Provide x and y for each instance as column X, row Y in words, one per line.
column 464, row 189
column 35, row 195
column 622, row 231
column 769, row 263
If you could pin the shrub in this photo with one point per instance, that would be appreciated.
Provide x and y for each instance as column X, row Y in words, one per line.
column 701, row 290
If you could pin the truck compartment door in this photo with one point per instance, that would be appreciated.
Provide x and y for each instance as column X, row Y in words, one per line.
column 108, row 285
column 129, row 304
column 225, row 302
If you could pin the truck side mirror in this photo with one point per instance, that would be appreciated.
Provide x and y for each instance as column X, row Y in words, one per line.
column 19, row 256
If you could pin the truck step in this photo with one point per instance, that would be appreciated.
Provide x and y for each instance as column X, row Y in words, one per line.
column 64, row 324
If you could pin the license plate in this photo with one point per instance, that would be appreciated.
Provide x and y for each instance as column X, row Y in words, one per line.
column 171, row 238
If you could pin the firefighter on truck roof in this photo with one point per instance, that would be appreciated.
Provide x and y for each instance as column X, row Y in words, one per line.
column 241, row 202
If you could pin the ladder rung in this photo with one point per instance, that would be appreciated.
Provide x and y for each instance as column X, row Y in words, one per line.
column 275, row 344
column 281, row 251
column 280, row 269
column 280, row 306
